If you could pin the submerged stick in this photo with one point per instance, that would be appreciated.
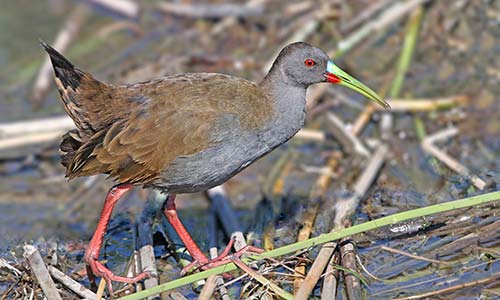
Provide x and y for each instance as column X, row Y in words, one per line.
column 41, row 272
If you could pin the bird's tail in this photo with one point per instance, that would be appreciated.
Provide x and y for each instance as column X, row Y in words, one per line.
column 80, row 94
column 86, row 100
column 68, row 76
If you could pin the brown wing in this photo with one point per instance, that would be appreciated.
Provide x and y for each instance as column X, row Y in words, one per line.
column 177, row 117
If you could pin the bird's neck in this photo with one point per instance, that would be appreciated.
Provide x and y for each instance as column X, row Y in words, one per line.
column 289, row 105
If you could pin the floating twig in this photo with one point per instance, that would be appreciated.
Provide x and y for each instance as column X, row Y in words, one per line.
column 363, row 118
column 429, row 147
column 213, row 281
column 316, row 270
column 41, row 272
column 300, row 35
column 30, row 139
column 209, row 288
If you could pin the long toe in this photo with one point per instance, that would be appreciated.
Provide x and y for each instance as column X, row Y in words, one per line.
column 98, row 269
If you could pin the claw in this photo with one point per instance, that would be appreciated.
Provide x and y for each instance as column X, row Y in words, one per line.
column 98, row 269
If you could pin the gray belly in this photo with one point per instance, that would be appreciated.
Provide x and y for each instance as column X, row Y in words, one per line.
column 213, row 166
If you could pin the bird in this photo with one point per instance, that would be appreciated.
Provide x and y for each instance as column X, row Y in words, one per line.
column 183, row 133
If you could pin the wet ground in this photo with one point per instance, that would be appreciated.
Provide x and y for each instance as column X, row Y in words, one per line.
column 457, row 53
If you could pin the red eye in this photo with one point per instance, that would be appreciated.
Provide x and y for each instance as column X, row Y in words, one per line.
column 309, row 62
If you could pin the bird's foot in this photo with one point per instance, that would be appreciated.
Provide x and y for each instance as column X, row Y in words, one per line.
column 95, row 268
column 204, row 264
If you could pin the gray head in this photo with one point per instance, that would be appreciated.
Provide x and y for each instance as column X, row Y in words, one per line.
column 300, row 65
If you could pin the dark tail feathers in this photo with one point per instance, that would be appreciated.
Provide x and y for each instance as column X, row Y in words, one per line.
column 65, row 71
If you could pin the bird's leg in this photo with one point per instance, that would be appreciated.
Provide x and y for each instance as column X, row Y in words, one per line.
column 199, row 259
column 171, row 213
column 94, row 267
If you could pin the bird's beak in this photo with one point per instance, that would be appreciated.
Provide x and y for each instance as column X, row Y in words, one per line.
column 334, row 74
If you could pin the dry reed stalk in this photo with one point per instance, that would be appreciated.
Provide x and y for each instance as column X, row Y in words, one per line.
column 71, row 284
column 330, row 280
column 311, row 134
column 41, row 272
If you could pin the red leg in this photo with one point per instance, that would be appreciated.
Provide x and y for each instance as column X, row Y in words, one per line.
column 171, row 213
column 92, row 254
column 199, row 259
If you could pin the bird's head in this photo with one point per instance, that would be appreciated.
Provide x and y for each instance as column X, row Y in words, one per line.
column 304, row 65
